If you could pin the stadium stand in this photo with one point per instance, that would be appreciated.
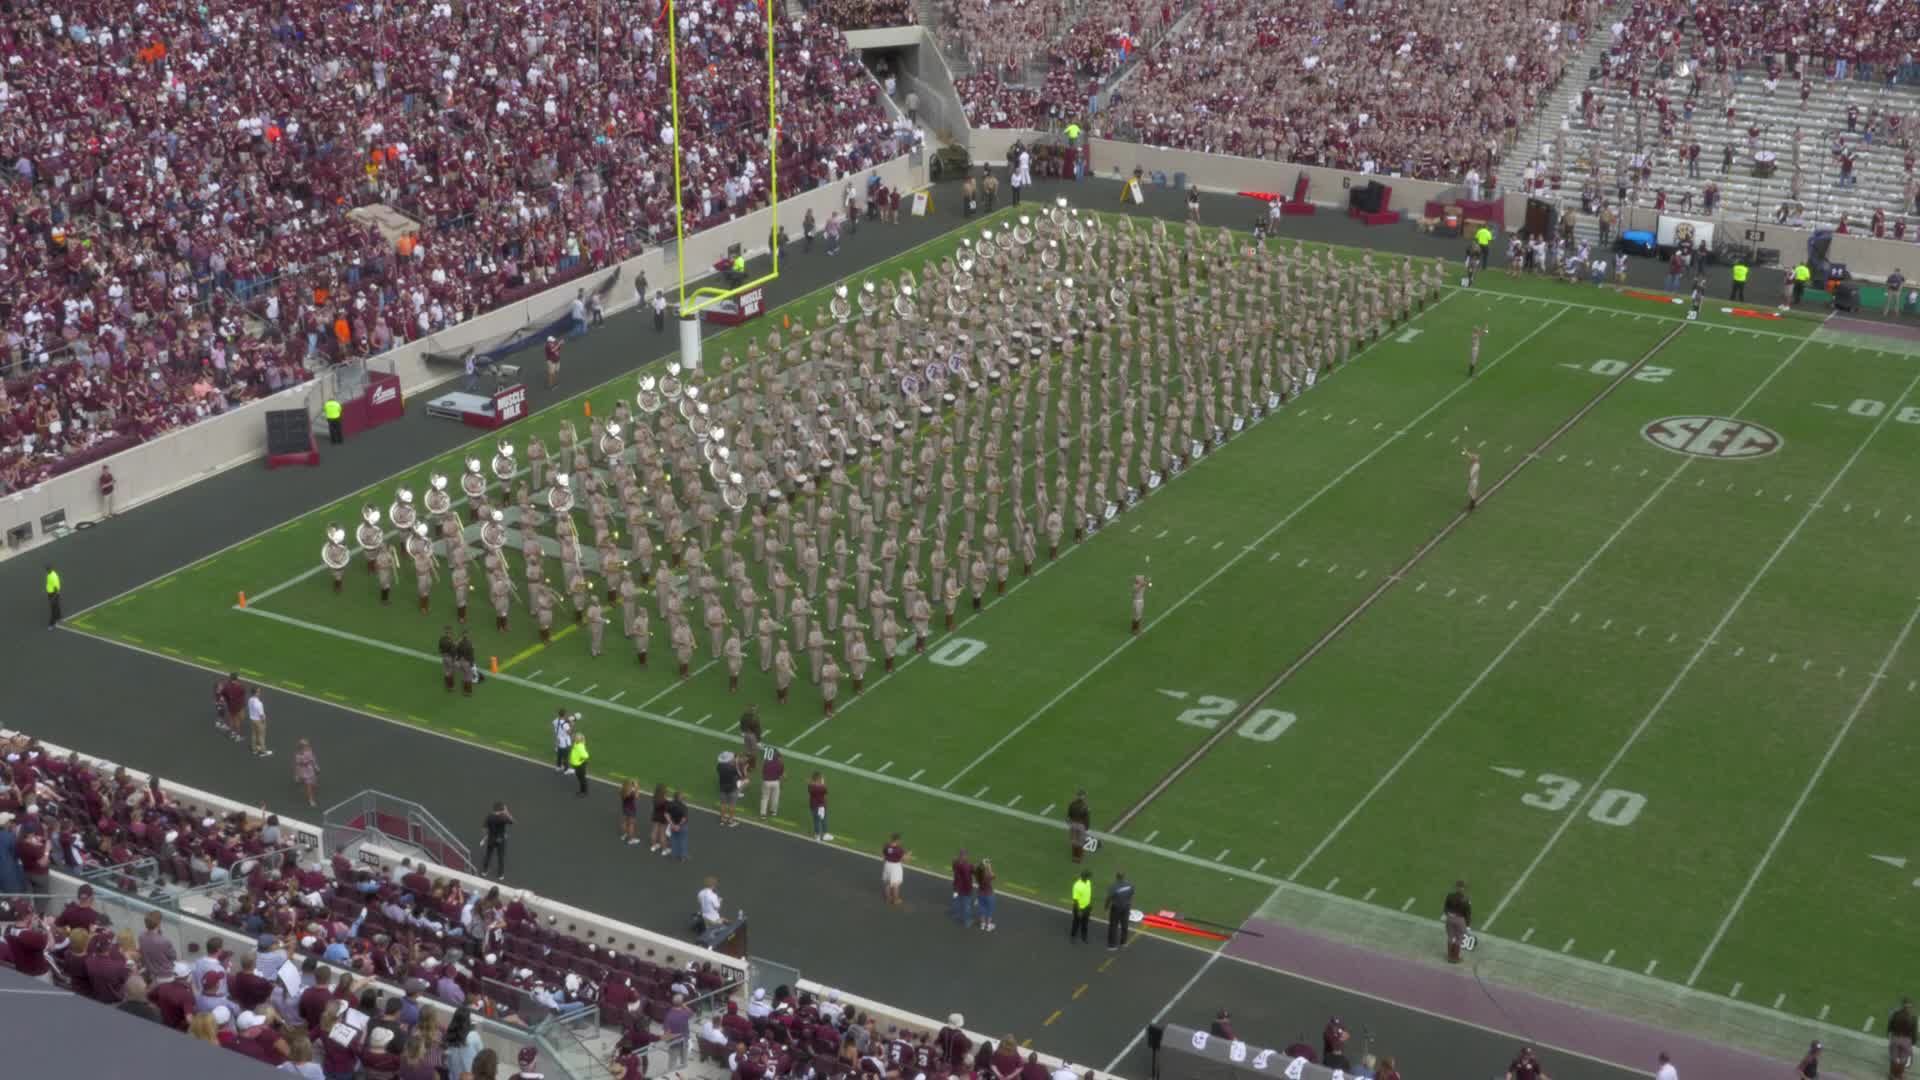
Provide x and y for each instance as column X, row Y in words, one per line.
column 1788, row 113
column 255, row 937
column 1389, row 92
column 181, row 232
column 1032, row 66
column 865, row 14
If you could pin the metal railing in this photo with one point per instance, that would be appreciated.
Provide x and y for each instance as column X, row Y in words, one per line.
column 377, row 814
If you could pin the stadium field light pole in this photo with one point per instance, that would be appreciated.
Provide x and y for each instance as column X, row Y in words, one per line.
column 689, row 312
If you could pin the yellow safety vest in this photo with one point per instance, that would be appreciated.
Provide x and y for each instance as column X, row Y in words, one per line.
column 1073, row 132
column 739, row 262
column 332, row 409
column 1802, row 274
column 53, row 582
column 1740, row 273
column 1483, row 237
column 579, row 755
column 1082, row 894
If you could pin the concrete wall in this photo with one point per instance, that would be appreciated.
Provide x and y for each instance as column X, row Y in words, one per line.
column 1863, row 256
column 179, row 458
column 924, row 71
column 886, row 37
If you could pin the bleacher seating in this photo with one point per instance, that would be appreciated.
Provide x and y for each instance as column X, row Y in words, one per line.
column 865, row 14
column 179, row 184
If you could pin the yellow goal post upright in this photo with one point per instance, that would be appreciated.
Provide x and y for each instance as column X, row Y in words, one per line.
column 691, row 304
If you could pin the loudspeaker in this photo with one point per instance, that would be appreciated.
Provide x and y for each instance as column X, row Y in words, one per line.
column 1367, row 199
column 1155, row 1032
column 288, row 432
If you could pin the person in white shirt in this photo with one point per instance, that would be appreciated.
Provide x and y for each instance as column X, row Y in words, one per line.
column 562, row 740
column 710, row 904
column 1666, row 1070
column 758, row 1008
column 257, row 717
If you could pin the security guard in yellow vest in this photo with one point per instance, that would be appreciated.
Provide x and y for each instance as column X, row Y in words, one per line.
column 53, row 597
column 1801, row 275
column 1082, row 907
column 334, row 434
column 1739, row 280
column 1483, row 239
column 739, row 268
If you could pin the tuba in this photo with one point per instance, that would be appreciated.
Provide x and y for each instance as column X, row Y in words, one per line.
column 401, row 512
column 986, row 246
column 334, row 552
column 503, row 466
column 493, row 534
column 648, row 397
column 419, row 544
column 839, row 306
column 438, row 502
column 903, row 302
column 473, row 481
column 869, row 299
column 733, row 492
column 368, row 535
column 611, row 444
column 560, row 495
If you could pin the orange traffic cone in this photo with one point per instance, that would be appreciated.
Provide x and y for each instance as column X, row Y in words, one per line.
column 493, row 664
column 243, row 599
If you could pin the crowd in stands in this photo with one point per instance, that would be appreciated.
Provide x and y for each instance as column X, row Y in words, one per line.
column 1003, row 37
column 1384, row 85
column 1106, row 35
column 865, row 14
column 179, row 180
column 1818, row 36
column 992, row 103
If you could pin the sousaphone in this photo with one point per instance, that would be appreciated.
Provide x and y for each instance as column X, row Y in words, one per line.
column 438, row 501
column 986, row 247
column 1050, row 255
column 841, row 309
column 368, row 535
column 419, row 544
column 473, row 481
column 401, row 512
column 334, row 552
column 611, row 442
column 1023, row 232
column 648, row 397
column 493, row 532
column 869, row 298
column 903, row 302
column 734, row 492
column 1058, row 215
column 503, row 465
column 560, row 495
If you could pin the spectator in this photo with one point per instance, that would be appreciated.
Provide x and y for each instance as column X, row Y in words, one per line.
column 135, row 1003
column 677, row 827
column 306, row 770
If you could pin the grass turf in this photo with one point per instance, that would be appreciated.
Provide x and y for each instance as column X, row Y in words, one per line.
column 1601, row 697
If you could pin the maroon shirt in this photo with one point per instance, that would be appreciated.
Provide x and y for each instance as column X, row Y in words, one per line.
column 28, row 947
column 816, row 795
column 962, row 877
column 249, row 991
column 893, row 853
column 76, row 917
column 174, row 999
column 983, row 880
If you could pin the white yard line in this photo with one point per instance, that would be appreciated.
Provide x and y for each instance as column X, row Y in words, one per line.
column 1599, row 782
column 1234, row 560
column 1806, row 792
column 1538, row 616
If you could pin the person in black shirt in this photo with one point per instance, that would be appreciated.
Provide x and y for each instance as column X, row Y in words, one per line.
column 1458, row 912
column 496, row 840
column 463, row 659
column 1079, row 820
column 1902, row 1028
column 1809, row 1067
column 1526, row 1067
column 1119, row 911
column 446, row 657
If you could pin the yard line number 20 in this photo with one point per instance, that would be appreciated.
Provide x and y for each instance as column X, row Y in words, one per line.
column 1265, row 725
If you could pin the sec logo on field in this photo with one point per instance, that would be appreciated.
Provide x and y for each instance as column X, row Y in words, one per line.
column 1719, row 437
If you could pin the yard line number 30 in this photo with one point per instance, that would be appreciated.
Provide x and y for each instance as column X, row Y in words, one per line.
column 1610, row 807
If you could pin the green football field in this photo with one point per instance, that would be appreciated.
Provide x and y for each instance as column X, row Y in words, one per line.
column 1648, row 697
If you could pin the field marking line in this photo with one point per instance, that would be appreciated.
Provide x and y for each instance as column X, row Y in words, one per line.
column 1799, row 804
column 1599, row 782
column 1459, row 518
column 455, row 452
column 688, row 727
column 1234, row 560
column 1538, row 616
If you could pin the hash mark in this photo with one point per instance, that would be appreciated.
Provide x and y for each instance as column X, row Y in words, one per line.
column 590, row 688
column 1526, row 937
column 1333, row 567
column 1407, row 905
column 1135, row 529
column 1190, row 540
column 1369, row 895
column 1302, row 563
column 1876, row 514
column 1673, row 637
column 1823, row 1011
column 1358, row 574
column 1846, row 508
column 1758, row 492
column 1735, row 992
column 822, row 752
column 1482, row 600
column 855, row 757
column 1450, row 593
column 1273, row 556
column 915, row 776
column 1640, row 631
column 1429, row 435
column 1771, row 657
column 885, row 767
column 1353, row 421
column 1568, row 947
column 1261, row 863
column 1422, row 588
column 1010, row 804
column 1150, row 836
column 1806, row 665
column 1377, row 424
column 1781, row 1000
column 1651, row 964
column 1842, row 674
column 1738, row 651
column 1048, row 809
column 1589, row 463
column 537, row 674
column 1560, row 459
column 1607, row 959
column 1643, row 472
column 1511, row 604
column 983, row 791
column 1163, row 534
column 1222, row 856
column 703, row 720
column 1218, row 544
column 1702, row 482
column 1331, row 884
column 1575, row 619
column 1868, row 1026
column 616, row 697
column 675, row 711
column 1606, row 624
column 1186, row 845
